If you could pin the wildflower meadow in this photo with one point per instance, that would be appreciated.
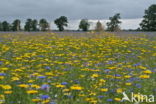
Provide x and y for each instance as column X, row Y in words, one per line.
column 85, row 68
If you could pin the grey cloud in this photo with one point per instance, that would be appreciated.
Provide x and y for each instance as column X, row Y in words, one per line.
column 73, row 9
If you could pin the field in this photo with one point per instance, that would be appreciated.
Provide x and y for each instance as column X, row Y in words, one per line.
column 78, row 68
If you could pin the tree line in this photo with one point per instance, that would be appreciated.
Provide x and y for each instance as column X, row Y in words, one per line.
column 148, row 23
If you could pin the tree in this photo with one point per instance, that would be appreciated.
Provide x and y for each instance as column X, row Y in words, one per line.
column 99, row 27
column 5, row 26
column 61, row 22
column 1, row 27
column 16, row 25
column 113, row 25
column 44, row 25
column 149, row 21
column 84, row 25
column 28, row 25
column 34, row 25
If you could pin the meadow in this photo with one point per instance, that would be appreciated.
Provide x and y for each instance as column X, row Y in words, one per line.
column 80, row 68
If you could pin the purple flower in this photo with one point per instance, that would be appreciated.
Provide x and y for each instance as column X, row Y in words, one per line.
column 1, row 62
column 100, row 96
column 109, row 100
column 76, row 81
column 111, row 62
column 41, row 56
column 69, row 96
column 47, row 67
column 138, row 85
column 66, row 69
column 117, row 75
column 52, row 102
column 2, row 74
column 137, row 64
column 43, row 97
column 42, row 77
column 64, row 83
column 107, row 70
column 45, row 87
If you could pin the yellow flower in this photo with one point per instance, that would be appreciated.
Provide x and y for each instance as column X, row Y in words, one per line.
column 142, row 67
column 102, row 80
column 7, row 92
column 36, row 100
column 127, row 76
column 35, row 86
column 48, row 74
column 6, row 87
column 104, row 89
column 23, row 86
column 147, row 72
column 32, row 91
column 3, row 69
column 1, row 77
column 117, row 99
column 2, row 97
column 66, row 90
column 14, row 78
column 144, row 76
column 119, row 90
column 94, row 76
column 30, row 81
column 91, row 100
column 18, row 70
column 128, row 84
column 46, row 101
column 76, row 87
column 82, row 76
column 60, row 86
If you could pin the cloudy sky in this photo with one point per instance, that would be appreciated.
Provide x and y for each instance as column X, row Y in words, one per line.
column 131, row 10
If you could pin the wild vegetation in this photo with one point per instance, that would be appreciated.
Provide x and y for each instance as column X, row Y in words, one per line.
column 79, row 69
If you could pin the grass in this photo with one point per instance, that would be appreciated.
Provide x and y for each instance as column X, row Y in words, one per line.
column 82, row 68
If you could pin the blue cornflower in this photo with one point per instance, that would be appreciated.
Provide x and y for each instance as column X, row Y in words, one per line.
column 117, row 75
column 137, row 64
column 41, row 56
column 45, row 86
column 100, row 96
column 2, row 74
column 107, row 70
column 64, row 83
column 42, row 77
column 1, row 62
column 45, row 97
column 76, row 81
column 66, row 69
column 138, row 85
column 47, row 67
column 52, row 102
column 109, row 100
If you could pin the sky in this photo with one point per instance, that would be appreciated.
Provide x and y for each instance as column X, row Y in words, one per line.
column 131, row 11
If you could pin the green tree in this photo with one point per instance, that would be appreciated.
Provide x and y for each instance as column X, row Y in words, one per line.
column 149, row 21
column 5, row 26
column 34, row 25
column 113, row 25
column 61, row 22
column 44, row 25
column 99, row 27
column 1, row 27
column 28, row 25
column 84, row 25
column 16, row 25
